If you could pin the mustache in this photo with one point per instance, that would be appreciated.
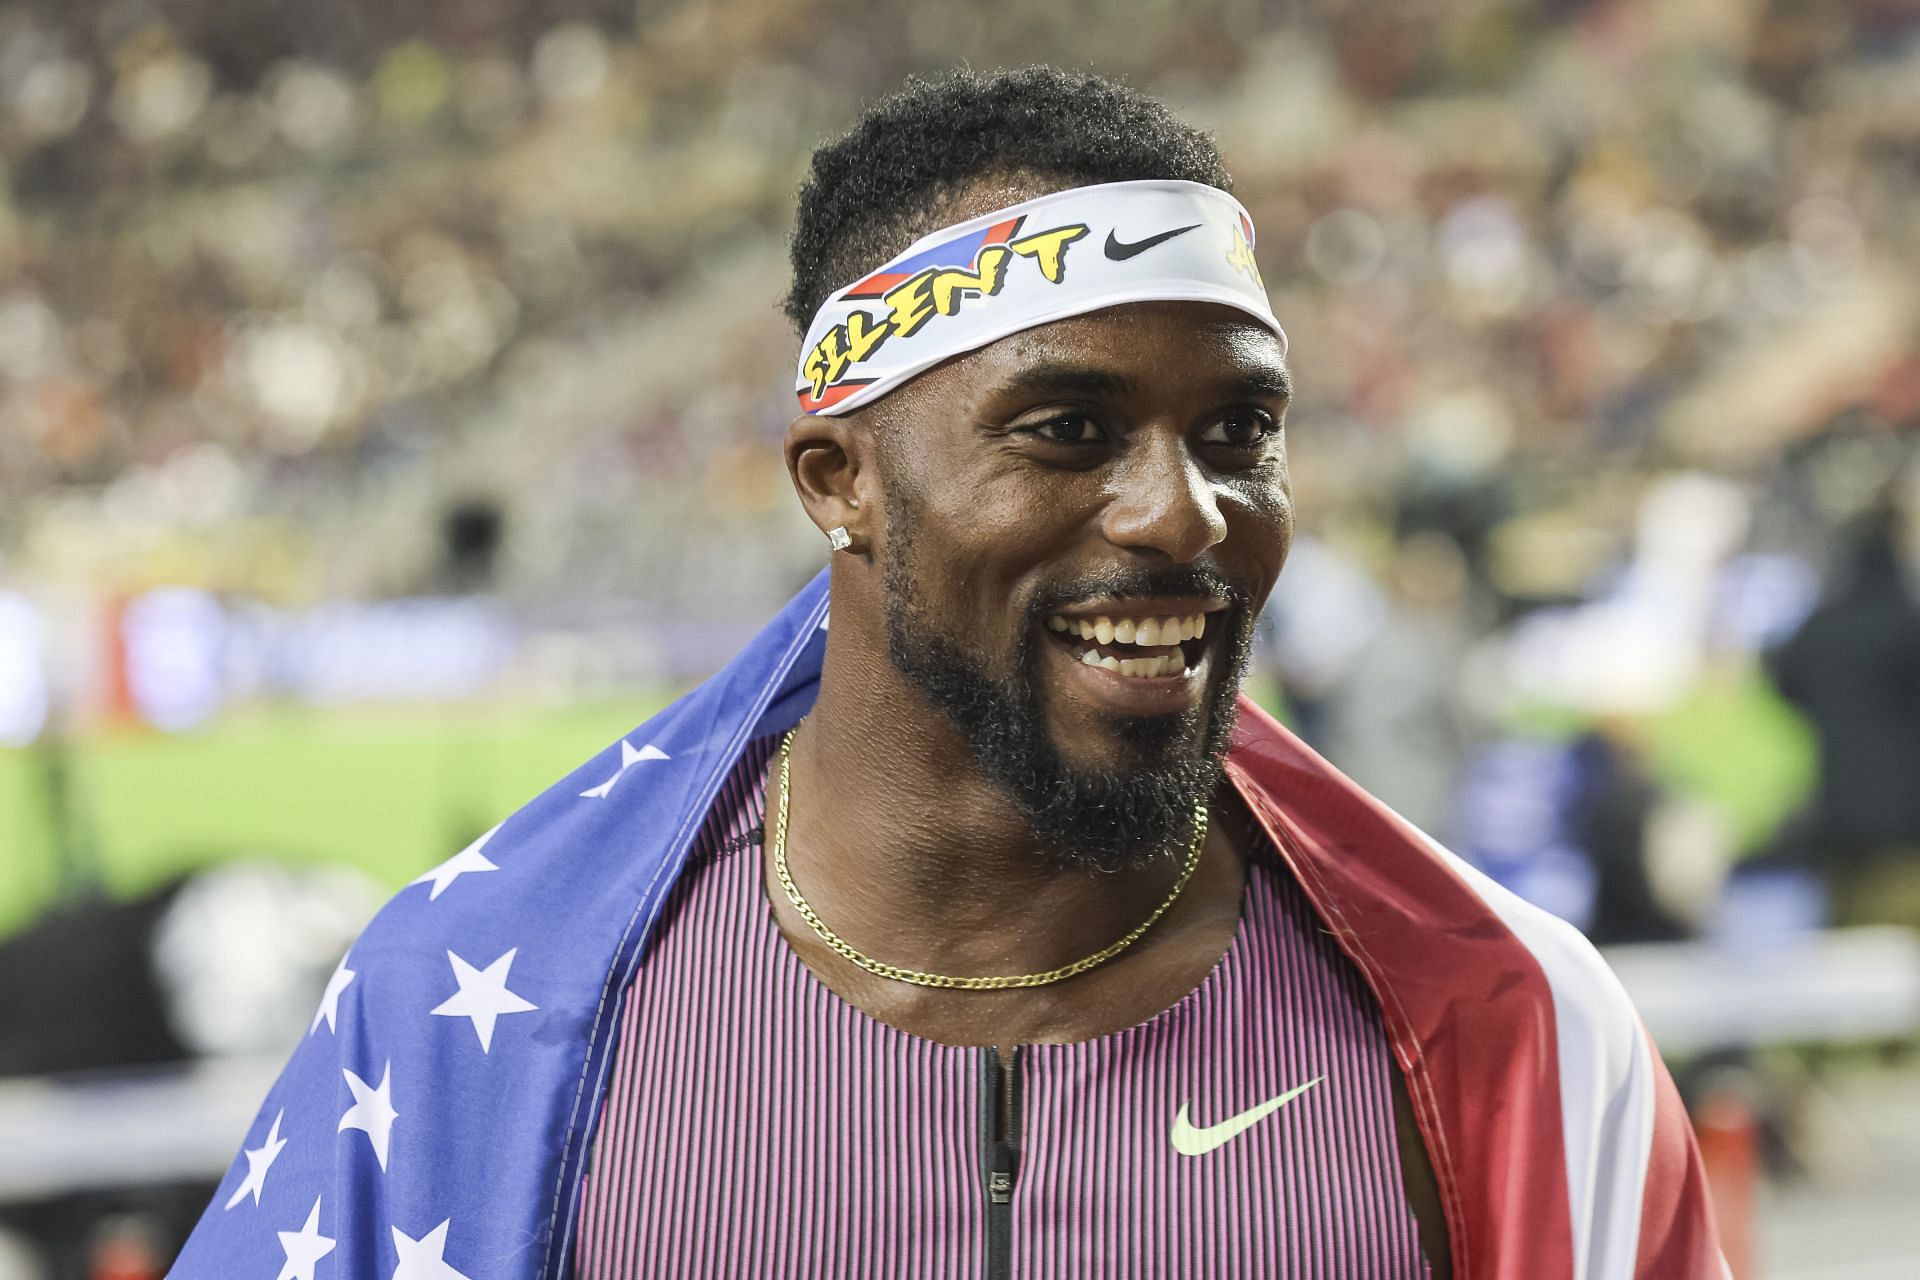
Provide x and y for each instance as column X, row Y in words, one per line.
column 1121, row 583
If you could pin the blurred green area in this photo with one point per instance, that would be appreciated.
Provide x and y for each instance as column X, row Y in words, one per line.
column 1732, row 743
column 392, row 791
column 1736, row 745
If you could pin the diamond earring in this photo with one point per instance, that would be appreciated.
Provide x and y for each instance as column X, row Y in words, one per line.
column 838, row 537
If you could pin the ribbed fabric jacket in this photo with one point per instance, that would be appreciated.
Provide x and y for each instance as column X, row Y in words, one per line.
column 758, row 1125
column 437, row 1118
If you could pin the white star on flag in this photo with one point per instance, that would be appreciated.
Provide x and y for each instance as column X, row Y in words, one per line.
column 483, row 996
column 259, row 1160
column 372, row 1111
column 423, row 1259
column 304, row 1248
column 329, row 1010
column 628, row 758
column 469, row 859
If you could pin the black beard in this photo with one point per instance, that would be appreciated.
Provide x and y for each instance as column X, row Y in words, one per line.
column 1107, row 819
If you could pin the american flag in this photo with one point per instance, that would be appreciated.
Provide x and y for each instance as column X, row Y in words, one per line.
column 435, row 1121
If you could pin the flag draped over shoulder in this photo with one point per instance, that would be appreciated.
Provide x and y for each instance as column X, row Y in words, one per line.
column 434, row 1123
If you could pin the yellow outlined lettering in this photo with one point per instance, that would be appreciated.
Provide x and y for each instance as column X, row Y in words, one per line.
column 910, row 303
column 827, row 362
column 1241, row 258
column 864, row 336
column 1049, row 249
column 948, row 285
column 936, row 291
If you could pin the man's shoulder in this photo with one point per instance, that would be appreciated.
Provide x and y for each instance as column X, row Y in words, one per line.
column 1588, row 999
column 1538, row 1090
column 1418, row 911
column 585, row 849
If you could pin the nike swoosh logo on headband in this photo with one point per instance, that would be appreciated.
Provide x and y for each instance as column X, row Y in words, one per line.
column 1120, row 252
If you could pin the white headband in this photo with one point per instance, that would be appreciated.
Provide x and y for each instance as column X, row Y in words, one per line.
column 1029, row 264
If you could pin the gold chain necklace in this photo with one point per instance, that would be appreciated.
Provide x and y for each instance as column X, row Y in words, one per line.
column 916, row 976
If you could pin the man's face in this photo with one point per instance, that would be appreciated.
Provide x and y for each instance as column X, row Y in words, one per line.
column 1123, row 473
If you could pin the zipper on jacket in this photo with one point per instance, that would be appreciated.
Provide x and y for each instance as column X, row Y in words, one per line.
column 1000, row 1154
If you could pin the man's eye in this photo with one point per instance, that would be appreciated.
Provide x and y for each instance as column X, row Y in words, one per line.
column 1241, row 428
column 1072, row 428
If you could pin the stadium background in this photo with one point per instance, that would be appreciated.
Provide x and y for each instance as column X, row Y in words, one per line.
column 389, row 398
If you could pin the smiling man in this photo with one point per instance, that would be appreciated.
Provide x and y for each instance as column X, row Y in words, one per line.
column 986, row 932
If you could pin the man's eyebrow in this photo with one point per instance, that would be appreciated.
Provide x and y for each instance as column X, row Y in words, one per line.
column 1263, row 381
column 1269, row 380
column 1067, row 380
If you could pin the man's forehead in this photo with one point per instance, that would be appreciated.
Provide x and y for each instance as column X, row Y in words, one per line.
column 1134, row 335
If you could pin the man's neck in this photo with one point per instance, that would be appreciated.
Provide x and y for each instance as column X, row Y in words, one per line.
column 908, row 851
column 910, row 855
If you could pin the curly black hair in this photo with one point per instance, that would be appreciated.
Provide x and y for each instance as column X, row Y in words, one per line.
column 884, row 184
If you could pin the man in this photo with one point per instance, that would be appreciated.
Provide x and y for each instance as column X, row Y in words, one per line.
column 983, row 934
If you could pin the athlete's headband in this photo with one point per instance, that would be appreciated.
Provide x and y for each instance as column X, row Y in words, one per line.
column 1060, row 255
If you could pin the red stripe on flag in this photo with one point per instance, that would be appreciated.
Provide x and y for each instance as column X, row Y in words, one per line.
column 1466, row 1005
column 1677, row 1233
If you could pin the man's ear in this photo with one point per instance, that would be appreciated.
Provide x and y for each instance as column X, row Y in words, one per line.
column 833, row 469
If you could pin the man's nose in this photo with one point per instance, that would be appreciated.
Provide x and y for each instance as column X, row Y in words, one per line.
column 1160, row 500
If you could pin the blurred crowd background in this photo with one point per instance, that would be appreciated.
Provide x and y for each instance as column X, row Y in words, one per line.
column 389, row 398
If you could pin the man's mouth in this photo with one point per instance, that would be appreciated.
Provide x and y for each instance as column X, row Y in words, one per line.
column 1142, row 647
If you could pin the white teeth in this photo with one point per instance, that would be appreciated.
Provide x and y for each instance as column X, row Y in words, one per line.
column 1146, row 633
column 1158, row 665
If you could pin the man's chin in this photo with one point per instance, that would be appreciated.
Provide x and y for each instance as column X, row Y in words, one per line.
column 1110, row 770
column 1105, row 792
column 1112, row 819
column 1128, row 745
column 1119, row 791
